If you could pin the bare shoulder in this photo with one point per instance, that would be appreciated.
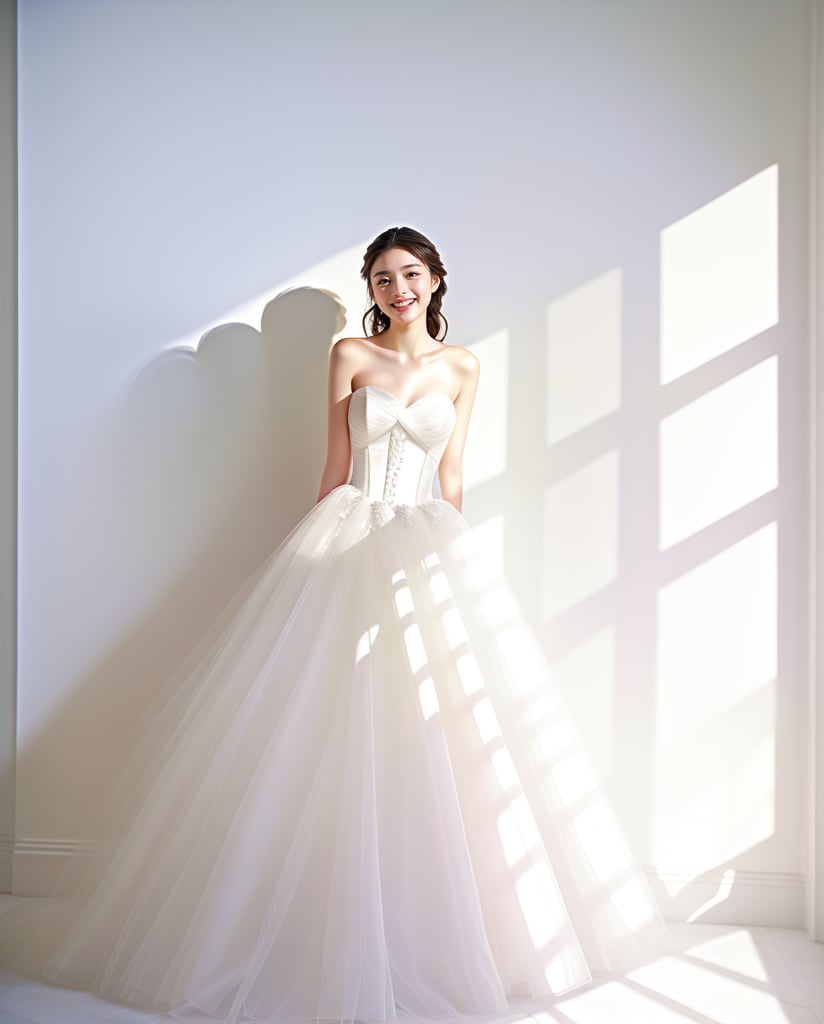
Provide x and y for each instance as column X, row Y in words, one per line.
column 465, row 363
column 344, row 346
column 348, row 351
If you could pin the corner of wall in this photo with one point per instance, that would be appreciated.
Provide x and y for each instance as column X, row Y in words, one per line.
column 8, row 434
column 815, row 739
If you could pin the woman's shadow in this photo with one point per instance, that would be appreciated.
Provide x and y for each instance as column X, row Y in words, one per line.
column 211, row 457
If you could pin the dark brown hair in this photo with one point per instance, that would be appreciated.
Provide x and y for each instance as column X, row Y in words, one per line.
column 419, row 245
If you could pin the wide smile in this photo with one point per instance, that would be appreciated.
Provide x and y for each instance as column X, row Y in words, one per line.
column 402, row 305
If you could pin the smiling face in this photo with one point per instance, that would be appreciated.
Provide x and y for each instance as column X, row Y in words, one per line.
column 401, row 285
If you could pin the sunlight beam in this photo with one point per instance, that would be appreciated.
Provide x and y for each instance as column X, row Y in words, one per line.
column 486, row 443
column 580, row 534
column 583, row 356
column 719, row 275
column 716, row 671
column 719, row 452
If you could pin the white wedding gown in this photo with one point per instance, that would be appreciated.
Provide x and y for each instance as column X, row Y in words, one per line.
column 360, row 796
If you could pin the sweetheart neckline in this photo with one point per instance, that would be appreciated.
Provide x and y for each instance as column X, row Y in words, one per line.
column 406, row 408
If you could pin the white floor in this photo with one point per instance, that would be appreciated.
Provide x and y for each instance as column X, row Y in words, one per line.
column 702, row 974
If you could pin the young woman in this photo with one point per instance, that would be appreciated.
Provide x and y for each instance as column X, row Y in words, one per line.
column 363, row 798
column 403, row 357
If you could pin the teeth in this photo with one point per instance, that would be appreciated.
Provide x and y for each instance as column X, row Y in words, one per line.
column 402, row 305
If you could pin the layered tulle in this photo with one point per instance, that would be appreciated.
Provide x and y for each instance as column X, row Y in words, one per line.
column 359, row 798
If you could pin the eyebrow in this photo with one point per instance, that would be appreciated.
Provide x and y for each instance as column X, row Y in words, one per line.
column 406, row 266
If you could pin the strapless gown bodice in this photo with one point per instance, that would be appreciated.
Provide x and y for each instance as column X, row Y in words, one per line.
column 396, row 449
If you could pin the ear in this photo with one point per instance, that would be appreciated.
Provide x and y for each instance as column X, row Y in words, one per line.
column 435, row 282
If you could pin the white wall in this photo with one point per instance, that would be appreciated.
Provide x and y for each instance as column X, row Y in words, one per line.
column 620, row 194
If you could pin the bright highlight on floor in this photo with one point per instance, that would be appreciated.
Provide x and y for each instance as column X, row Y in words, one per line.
column 696, row 974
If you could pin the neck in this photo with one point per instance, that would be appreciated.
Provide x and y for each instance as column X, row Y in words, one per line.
column 411, row 340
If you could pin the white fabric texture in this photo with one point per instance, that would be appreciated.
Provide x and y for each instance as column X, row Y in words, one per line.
column 360, row 797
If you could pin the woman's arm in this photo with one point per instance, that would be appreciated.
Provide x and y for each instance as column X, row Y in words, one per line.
column 338, row 465
column 450, row 471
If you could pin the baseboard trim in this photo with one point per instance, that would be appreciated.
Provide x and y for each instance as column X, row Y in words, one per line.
column 730, row 896
column 36, row 865
column 32, row 867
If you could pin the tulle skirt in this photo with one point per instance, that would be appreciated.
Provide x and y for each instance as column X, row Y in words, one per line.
column 360, row 797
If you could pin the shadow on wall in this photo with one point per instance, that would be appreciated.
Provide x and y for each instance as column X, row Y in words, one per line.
column 233, row 429
column 211, row 456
